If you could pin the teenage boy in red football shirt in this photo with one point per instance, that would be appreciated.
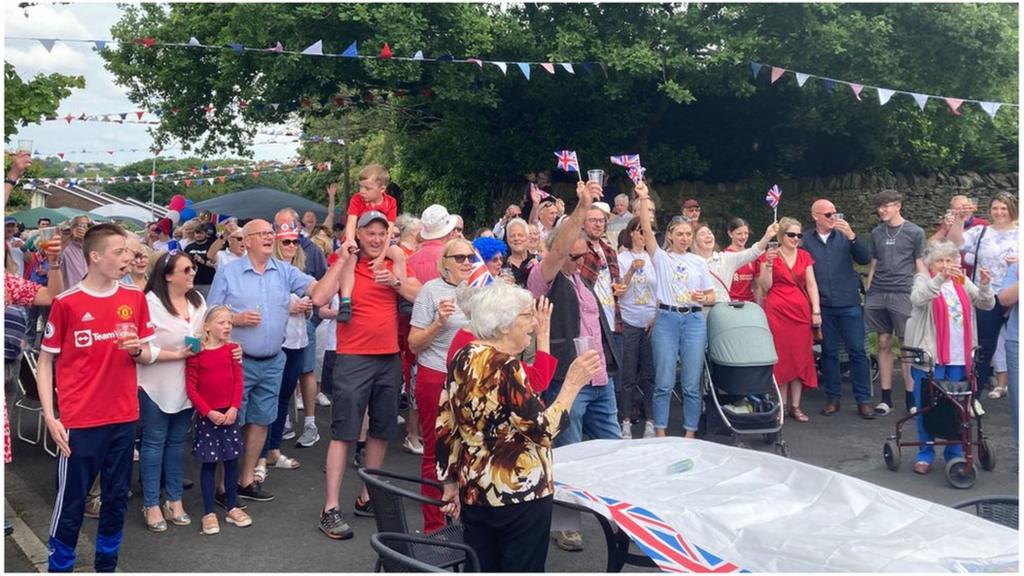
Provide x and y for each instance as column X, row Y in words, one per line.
column 100, row 329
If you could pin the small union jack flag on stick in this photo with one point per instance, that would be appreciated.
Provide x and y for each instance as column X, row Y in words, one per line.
column 773, row 198
column 631, row 162
column 480, row 276
column 567, row 162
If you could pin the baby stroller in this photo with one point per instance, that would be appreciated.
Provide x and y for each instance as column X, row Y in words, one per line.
column 740, row 394
column 947, row 409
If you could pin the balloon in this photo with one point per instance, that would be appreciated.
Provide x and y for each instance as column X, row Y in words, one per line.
column 175, row 216
column 187, row 214
column 177, row 203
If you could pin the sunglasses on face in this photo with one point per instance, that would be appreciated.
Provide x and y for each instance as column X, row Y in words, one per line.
column 827, row 214
column 794, row 235
column 460, row 258
column 139, row 255
column 236, row 237
column 289, row 242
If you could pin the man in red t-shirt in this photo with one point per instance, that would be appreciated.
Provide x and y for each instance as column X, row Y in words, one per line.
column 367, row 368
column 100, row 329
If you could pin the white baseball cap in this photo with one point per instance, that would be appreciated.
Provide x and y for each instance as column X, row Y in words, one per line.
column 437, row 223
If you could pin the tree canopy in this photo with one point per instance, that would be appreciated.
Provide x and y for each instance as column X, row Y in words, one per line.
column 27, row 102
column 674, row 85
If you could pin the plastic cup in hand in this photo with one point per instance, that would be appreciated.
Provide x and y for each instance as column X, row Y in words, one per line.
column 25, row 146
column 125, row 331
column 583, row 344
column 840, row 216
column 773, row 244
column 46, row 238
column 596, row 175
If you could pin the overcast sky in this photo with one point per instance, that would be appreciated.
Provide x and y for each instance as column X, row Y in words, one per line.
column 85, row 21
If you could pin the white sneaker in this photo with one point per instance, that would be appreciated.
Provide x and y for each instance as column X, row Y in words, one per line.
column 401, row 419
column 310, row 436
column 649, row 429
column 289, row 431
column 298, row 402
column 322, row 399
column 627, row 430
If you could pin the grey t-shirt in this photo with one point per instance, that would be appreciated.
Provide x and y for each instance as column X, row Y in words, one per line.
column 424, row 310
column 896, row 248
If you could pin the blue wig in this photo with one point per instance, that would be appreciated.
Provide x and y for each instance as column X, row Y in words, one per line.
column 490, row 247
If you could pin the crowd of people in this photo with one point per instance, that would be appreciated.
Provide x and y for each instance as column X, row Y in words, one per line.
column 537, row 332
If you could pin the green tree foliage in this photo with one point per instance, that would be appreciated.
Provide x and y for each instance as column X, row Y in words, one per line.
column 674, row 85
column 27, row 102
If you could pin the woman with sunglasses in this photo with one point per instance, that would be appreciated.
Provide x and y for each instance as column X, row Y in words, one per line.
column 287, row 249
column 176, row 309
column 724, row 265
column 786, row 278
column 435, row 321
column 682, row 287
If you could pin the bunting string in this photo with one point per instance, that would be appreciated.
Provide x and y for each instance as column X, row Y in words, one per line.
column 317, row 49
column 884, row 94
column 314, row 139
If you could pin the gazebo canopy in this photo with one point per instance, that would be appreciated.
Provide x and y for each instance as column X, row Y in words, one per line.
column 259, row 203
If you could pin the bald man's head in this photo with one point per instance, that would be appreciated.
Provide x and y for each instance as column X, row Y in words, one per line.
column 823, row 212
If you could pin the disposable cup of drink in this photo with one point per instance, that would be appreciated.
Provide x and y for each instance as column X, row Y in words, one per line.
column 125, row 331
column 596, row 175
column 25, row 146
column 46, row 237
column 773, row 244
column 840, row 216
column 583, row 344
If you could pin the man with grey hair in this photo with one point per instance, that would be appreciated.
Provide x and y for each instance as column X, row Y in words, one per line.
column 577, row 317
column 511, row 213
column 619, row 220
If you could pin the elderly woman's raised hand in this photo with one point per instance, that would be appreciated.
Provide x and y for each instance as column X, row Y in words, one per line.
column 582, row 369
column 641, row 190
column 543, row 315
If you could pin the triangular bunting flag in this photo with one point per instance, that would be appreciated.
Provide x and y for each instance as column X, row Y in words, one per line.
column 274, row 105
column 83, row 117
column 188, row 183
column 47, row 43
column 476, row 61
column 210, row 181
column 418, row 55
column 856, row 90
column 588, row 68
column 221, row 179
column 777, row 73
column 385, row 52
column 208, row 108
column 352, row 51
column 921, row 100
column 830, row 85
column 238, row 48
column 139, row 113
column 801, row 78
column 256, row 174
column 954, row 105
column 501, row 66
column 61, row 154
column 316, row 49
column 568, row 67
column 148, row 42
column 193, row 41
column 990, row 108
column 123, row 115
column 100, row 44
column 69, row 118
column 427, row 92
column 755, row 67
column 548, row 66
column 277, row 47
column 884, row 94
column 525, row 69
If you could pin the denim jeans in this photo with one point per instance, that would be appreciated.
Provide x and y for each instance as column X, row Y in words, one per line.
column 990, row 322
column 289, row 379
column 845, row 323
column 636, row 373
column 163, row 450
column 681, row 337
column 1013, row 376
column 593, row 413
column 927, row 453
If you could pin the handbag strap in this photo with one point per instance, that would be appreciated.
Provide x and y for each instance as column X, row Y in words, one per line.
column 796, row 281
column 977, row 248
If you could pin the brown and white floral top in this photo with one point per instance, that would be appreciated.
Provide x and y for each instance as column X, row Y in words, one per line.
column 494, row 433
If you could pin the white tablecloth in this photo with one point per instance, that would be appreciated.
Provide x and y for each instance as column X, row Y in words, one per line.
column 765, row 513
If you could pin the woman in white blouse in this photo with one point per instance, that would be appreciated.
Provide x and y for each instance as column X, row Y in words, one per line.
column 723, row 265
column 683, row 287
column 176, row 309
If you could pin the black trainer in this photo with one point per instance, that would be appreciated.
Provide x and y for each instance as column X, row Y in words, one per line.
column 334, row 525
column 345, row 312
column 221, row 499
column 364, row 508
column 254, row 492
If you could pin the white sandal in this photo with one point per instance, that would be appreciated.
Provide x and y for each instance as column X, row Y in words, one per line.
column 259, row 474
column 285, row 463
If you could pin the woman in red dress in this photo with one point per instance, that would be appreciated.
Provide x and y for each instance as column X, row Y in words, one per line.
column 786, row 277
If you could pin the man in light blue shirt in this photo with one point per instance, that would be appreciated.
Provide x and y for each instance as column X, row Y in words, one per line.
column 1008, row 297
column 257, row 289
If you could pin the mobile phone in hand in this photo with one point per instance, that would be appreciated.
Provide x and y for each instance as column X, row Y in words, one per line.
column 194, row 343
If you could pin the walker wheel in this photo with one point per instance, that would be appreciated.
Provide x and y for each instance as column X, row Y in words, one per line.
column 782, row 449
column 770, row 437
column 891, row 455
column 986, row 455
column 959, row 475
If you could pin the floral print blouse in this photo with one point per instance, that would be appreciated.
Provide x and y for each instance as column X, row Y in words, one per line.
column 493, row 432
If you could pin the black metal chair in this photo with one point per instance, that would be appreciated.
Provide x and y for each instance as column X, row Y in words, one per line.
column 999, row 509
column 617, row 542
column 389, row 513
column 390, row 548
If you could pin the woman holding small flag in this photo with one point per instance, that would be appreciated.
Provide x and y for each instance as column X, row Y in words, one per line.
column 682, row 288
column 435, row 321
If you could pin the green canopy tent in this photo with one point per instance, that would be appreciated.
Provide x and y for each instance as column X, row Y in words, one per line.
column 29, row 218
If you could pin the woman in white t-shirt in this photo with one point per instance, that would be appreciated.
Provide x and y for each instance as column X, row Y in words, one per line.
column 723, row 265
column 638, row 308
column 682, row 288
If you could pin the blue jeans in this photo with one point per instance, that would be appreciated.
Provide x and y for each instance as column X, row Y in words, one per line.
column 927, row 453
column 163, row 450
column 846, row 323
column 681, row 337
column 289, row 379
column 1013, row 376
column 593, row 412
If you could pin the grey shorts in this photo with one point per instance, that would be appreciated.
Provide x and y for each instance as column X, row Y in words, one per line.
column 361, row 382
column 887, row 312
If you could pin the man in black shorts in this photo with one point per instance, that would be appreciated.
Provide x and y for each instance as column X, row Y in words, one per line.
column 367, row 369
column 897, row 248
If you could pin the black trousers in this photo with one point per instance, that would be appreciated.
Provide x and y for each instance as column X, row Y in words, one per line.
column 509, row 538
column 990, row 322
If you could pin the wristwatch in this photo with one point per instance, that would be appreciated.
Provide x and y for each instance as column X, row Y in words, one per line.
column 137, row 353
column 396, row 284
column 11, row 182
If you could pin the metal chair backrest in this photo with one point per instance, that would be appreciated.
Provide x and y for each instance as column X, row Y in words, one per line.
column 388, row 508
column 390, row 545
column 1002, row 510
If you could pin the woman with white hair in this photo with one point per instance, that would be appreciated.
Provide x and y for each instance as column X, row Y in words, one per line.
column 494, row 435
column 943, row 323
